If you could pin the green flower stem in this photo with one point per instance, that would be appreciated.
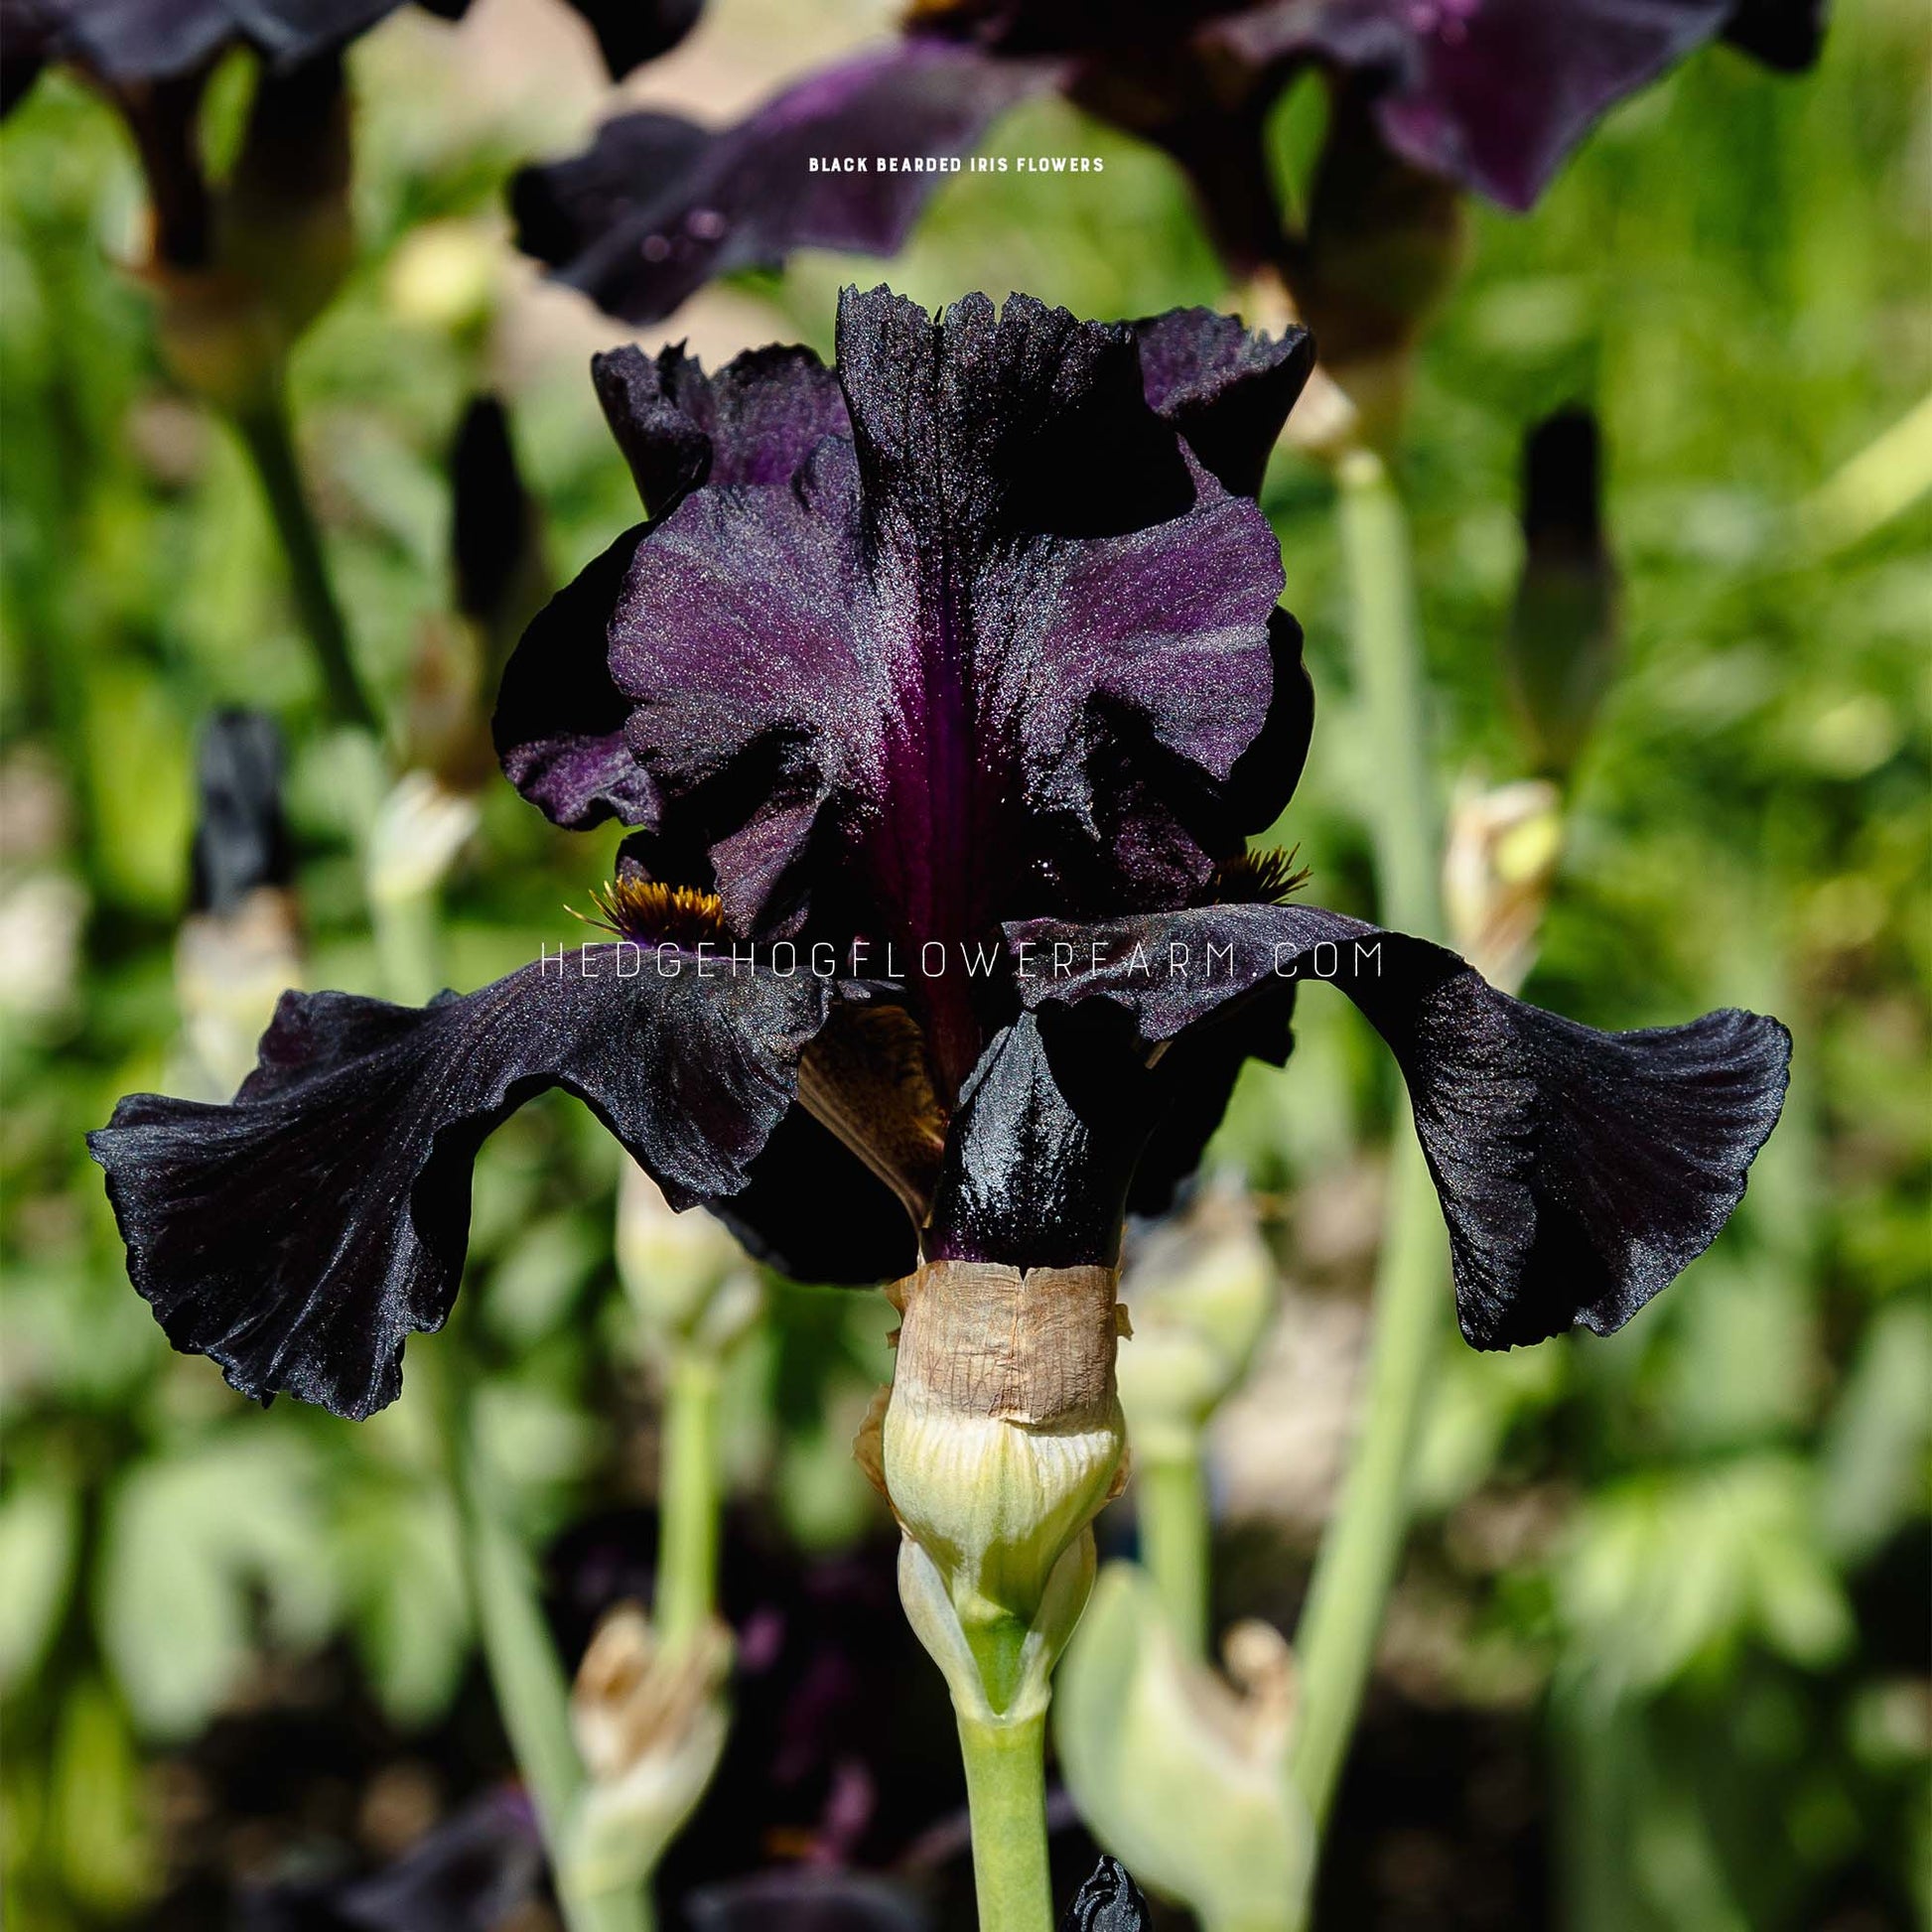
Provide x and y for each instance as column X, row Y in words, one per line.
column 1356, row 1565
column 407, row 926
column 268, row 436
column 1005, row 1791
column 1171, row 1500
column 689, row 1499
column 525, row 1677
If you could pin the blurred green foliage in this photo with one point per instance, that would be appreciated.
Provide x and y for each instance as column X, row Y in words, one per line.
column 1714, row 1583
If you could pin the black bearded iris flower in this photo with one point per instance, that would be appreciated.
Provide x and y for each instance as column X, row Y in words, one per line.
column 1488, row 95
column 152, row 60
column 942, row 690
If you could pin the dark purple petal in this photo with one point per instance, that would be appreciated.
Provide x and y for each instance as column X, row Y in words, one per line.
column 1001, row 651
column 241, row 840
column 1227, row 391
column 1580, row 1172
column 632, row 31
column 1493, row 93
column 1109, row 1901
column 756, row 421
column 1041, row 1150
column 656, row 206
column 472, row 1873
column 559, row 722
column 299, row 1235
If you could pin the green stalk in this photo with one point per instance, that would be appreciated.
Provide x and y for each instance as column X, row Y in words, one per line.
column 268, row 436
column 689, row 1500
column 408, row 942
column 525, row 1678
column 1356, row 1566
column 1170, row 1500
column 1006, row 1792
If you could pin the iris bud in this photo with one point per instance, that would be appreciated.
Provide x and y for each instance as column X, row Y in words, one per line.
column 1001, row 1439
column 684, row 1273
column 279, row 242
column 1383, row 244
column 1499, row 863
column 1559, row 651
column 1180, row 1770
column 1201, row 1288
column 650, row 1724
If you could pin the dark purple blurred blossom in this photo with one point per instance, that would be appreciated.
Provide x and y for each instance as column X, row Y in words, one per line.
column 152, row 60
column 804, row 1898
column 471, row 1873
column 966, row 647
column 1490, row 95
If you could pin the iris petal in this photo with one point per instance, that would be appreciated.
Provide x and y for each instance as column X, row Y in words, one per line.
column 299, row 1235
column 1580, row 1171
column 1006, row 646
column 656, row 206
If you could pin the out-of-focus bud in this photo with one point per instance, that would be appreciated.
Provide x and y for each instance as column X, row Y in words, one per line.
column 1382, row 245
column 1498, row 865
column 1001, row 1440
column 1200, row 1287
column 650, row 1725
column 499, row 581
column 685, row 1274
column 1182, row 1772
column 241, row 945
column 239, row 275
column 443, row 275
column 1561, row 646
column 417, row 829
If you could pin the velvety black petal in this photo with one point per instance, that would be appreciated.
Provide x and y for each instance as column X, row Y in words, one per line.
column 632, row 31
column 656, row 206
column 1109, row 1901
column 1580, row 1171
column 1043, row 1146
column 241, row 839
column 298, row 1235
column 559, row 719
column 813, row 1210
column 1002, row 648
column 1227, row 391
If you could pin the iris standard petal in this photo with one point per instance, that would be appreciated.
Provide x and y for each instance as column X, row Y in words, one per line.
column 1225, row 389
column 1004, row 649
column 656, row 206
column 755, row 422
column 299, row 1233
column 1580, row 1171
column 559, row 719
